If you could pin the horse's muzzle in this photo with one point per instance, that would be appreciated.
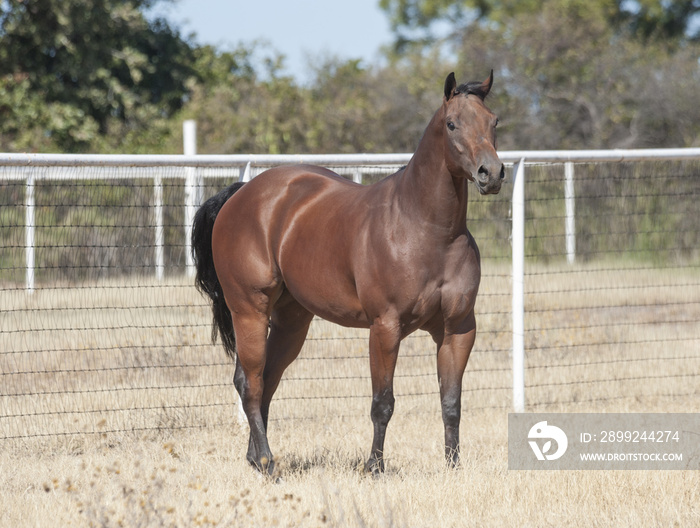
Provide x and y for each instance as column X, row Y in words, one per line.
column 489, row 178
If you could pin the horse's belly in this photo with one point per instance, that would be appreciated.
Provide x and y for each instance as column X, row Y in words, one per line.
column 331, row 302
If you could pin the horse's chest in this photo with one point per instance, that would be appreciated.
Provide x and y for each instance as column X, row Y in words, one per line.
column 436, row 288
column 461, row 275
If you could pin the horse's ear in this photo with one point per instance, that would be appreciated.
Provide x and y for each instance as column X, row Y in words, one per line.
column 485, row 87
column 450, row 86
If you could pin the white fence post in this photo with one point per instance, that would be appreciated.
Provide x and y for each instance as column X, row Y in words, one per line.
column 30, row 226
column 193, row 190
column 158, row 221
column 518, row 240
column 244, row 175
column 570, row 201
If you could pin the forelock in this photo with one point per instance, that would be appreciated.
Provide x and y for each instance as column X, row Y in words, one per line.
column 474, row 87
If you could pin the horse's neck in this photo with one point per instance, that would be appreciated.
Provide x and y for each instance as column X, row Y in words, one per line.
column 434, row 196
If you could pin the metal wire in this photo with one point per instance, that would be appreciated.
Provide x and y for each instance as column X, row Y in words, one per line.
column 101, row 345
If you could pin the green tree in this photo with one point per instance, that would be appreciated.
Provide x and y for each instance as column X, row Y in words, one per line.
column 569, row 74
column 661, row 20
column 242, row 103
column 345, row 107
column 570, row 81
column 372, row 109
column 81, row 74
column 412, row 20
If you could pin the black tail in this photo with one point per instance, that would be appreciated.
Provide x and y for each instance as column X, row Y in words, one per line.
column 206, row 280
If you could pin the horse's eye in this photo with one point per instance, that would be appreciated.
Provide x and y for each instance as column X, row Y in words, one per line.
column 496, row 123
column 450, row 125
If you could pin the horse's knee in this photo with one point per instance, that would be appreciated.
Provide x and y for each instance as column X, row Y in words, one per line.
column 382, row 407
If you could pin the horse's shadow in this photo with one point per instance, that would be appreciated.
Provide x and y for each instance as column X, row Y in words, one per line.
column 323, row 460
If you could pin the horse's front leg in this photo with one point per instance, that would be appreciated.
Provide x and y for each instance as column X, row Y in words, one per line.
column 453, row 353
column 384, row 340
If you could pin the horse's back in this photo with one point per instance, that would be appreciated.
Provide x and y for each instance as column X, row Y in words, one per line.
column 281, row 195
column 305, row 179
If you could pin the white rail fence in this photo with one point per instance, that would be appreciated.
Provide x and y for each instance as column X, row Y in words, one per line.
column 196, row 172
column 246, row 163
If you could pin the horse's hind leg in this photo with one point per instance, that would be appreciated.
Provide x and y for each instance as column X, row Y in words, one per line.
column 251, row 335
column 288, row 326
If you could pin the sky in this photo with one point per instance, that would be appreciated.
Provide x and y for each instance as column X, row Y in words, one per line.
column 299, row 29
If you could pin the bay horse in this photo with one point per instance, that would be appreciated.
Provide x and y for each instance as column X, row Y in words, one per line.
column 394, row 257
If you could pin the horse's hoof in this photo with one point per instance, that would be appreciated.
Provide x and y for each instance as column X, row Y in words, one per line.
column 452, row 461
column 267, row 466
column 374, row 467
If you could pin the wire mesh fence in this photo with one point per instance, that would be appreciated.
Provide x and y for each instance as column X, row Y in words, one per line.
column 104, row 344
column 621, row 322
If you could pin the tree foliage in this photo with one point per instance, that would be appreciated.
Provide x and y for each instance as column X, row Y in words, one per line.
column 80, row 69
column 644, row 19
column 578, row 74
column 100, row 76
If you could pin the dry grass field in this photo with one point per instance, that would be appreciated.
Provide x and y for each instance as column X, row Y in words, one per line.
column 117, row 411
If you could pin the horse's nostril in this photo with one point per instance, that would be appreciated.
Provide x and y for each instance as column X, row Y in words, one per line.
column 503, row 172
column 483, row 171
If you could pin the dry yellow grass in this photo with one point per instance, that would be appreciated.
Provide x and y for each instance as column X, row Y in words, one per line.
column 164, row 447
column 200, row 479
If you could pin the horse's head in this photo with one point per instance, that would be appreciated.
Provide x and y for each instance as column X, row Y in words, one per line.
column 470, row 135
